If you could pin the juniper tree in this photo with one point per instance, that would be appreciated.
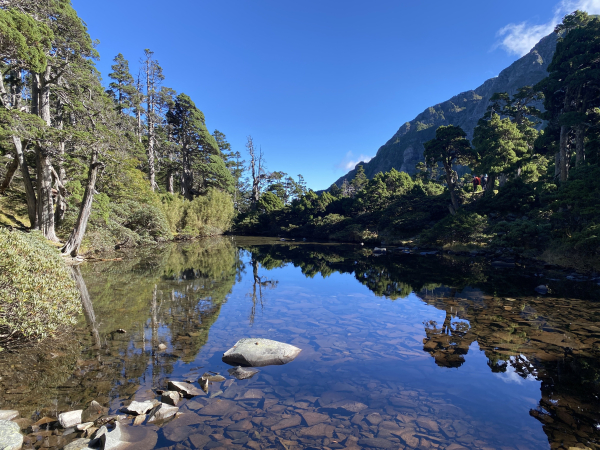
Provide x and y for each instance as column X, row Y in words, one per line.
column 449, row 147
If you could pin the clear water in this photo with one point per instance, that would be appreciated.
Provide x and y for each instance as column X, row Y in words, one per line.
column 398, row 351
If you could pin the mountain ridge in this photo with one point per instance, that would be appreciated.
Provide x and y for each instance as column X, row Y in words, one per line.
column 405, row 148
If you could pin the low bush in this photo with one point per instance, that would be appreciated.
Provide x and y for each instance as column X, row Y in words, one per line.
column 463, row 228
column 38, row 297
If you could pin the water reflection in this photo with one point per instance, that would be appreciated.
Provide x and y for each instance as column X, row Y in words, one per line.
column 401, row 335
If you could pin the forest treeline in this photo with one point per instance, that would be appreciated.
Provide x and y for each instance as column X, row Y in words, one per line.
column 538, row 149
column 107, row 165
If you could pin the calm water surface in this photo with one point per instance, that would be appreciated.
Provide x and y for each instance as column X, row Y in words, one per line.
column 398, row 351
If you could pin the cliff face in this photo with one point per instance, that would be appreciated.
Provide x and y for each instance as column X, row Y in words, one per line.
column 405, row 149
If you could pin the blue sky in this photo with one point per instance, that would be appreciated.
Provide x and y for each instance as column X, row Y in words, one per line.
column 320, row 84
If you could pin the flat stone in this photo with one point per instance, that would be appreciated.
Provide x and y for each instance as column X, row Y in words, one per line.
column 319, row 430
column 313, row 418
column 218, row 408
column 139, row 419
column 170, row 398
column 375, row 443
column 250, row 394
column 178, row 434
column 260, row 352
column 162, row 347
column 349, row 406
column 70, row 419
column 138, row 408
column 127, row 437
column 163, row 412
column 10, row 435
column 8, row 414
column 242, row 373
column 199, row 440
column 187, row 390
column 374, row 419
column 243, row 425
column 78, row 444
column 213, row 378
column 287, row 423
column 84, row 426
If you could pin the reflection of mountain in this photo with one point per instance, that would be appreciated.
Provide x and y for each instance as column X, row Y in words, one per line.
column 554, row 340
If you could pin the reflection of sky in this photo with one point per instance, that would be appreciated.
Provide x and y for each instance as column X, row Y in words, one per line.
column 511, row 375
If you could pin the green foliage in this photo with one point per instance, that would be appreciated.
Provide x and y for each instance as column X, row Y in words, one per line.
column 463, row 228
column 38, row 297
column 206, row 215
column 25, row 39
column 269, row 202
column 354, row 233
column 521, row 235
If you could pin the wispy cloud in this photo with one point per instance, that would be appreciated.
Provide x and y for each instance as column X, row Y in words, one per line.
column 350, row 161
column 519, row 38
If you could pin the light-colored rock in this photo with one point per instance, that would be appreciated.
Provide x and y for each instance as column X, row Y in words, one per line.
column 8, row 414
column 84, row 426
column 241, row 373
column 170, row 398
column 78, row 444
column 163, row 412
column 260, row 352
column 10, row 435
column 138, row 408
column 162, row 347
column 213, row 378
column 70, row 419
column 187, row 390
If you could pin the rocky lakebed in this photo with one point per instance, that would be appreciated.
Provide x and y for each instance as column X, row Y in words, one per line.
column 262, row 344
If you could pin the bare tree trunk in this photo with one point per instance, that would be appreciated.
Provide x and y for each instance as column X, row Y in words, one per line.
column 564, row 142
column 170, row 181
column 88, row 307
column 72, row 245
column 448, row 170
column 579, row 145
column 150, row 119
column 29, row 190
column 187, row 179
column 44, row 190
column 61, row 197
column 502, row 179
column 491, row 184
column 45, row 203
column 557, row 165
column 10, row 173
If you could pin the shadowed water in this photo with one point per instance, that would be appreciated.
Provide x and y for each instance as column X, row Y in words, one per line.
column 398, row 351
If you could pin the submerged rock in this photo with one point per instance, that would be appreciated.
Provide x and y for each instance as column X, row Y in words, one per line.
column 541, row 289
column 242, row 373
column 10, row 435
column 70, row 419
column 260, row 352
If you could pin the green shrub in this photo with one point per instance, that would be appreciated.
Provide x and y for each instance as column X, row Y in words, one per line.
column 463, row 227
column 38, row 297
column 206, row 215
column 354, row 233
column 521, row 234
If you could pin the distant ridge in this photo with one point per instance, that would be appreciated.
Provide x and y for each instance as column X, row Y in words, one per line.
column 405, row 149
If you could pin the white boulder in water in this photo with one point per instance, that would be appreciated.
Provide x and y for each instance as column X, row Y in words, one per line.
column 260, row 352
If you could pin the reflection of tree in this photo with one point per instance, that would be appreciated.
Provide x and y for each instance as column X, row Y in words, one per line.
column 449, row 343
column 257, row 286
column 86, row 304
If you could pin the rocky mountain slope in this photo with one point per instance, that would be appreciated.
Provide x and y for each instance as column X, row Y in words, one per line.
column 405, row 149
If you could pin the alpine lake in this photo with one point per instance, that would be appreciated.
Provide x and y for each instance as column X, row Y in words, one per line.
column 399, row 351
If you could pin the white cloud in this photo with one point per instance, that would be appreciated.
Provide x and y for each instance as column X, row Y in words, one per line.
column 519, row 38
column 349, row 161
